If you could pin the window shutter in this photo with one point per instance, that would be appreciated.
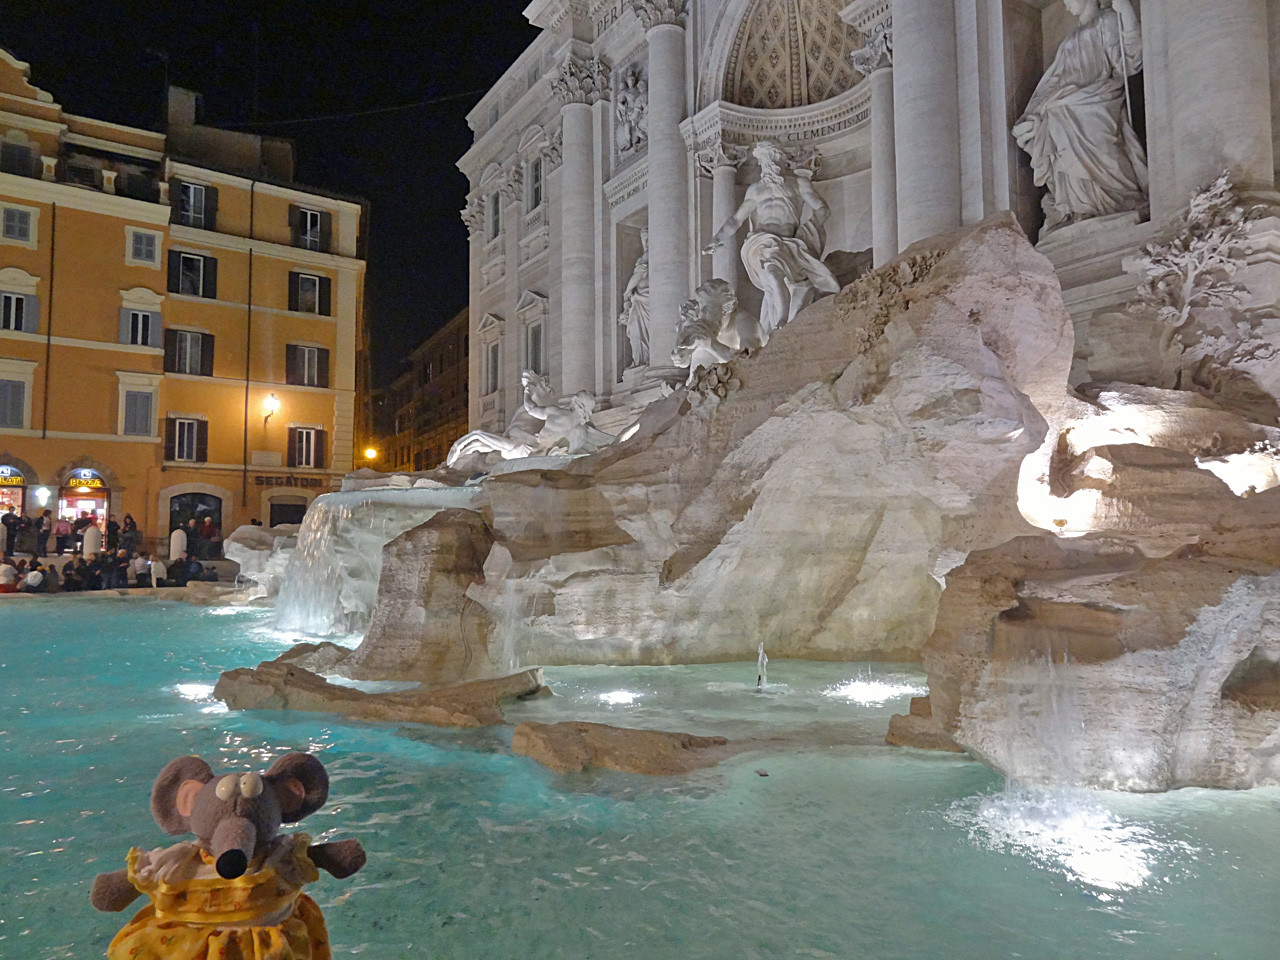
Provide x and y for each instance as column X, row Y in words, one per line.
column 206, row 355
column 326, row 287
column 31, row 314
column 322, row 368
column 293, row 447
column 317, row 450
column 211, row 208
column 175, row 214
column 175, row 271
column 126, row 325
column 11, row 397
column 137, row 413
column 291, row 364
column 171, row 353
column 293, row 291
column 202, row 441
column 170, row 439
column 295, row 223
column 326, row 231
column 210, row 278
column 154, row 333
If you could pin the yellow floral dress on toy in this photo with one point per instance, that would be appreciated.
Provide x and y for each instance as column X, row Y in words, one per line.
column 195, row 914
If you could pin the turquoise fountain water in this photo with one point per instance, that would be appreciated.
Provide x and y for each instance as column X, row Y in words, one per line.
column 826, row 844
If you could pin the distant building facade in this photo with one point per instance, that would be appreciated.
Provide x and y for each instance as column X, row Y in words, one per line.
column 424, row 410
column 182, row 327
column 1093, row 123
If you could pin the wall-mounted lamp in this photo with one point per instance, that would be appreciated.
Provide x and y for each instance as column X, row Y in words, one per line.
column 370, row 453
column 271, row 405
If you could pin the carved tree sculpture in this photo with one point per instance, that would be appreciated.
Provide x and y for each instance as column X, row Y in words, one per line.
column 1192, row 267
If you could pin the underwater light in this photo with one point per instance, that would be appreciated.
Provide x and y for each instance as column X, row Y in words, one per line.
column 619, row 697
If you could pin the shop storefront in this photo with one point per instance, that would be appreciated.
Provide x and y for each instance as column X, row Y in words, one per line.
column 84, row 491
column 13, row 489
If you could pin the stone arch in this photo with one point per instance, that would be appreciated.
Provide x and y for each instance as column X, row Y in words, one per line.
column 88, row 463
column 222, row 493
column 29, row 473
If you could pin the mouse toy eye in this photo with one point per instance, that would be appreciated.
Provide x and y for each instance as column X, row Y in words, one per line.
column 251, row 785
column 227, row 787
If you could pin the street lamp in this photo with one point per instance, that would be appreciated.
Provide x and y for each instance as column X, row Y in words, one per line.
column 370, row 453
column 271, row 405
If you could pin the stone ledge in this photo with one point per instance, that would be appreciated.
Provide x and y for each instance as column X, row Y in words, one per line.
column 572, row 746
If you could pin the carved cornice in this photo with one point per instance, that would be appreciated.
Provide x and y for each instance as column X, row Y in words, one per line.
column 653, row 13
column 719, row 154
column 877, row 52
column 792, row 128
column 581, row 80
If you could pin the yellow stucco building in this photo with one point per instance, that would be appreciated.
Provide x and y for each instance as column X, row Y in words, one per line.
column 181, row 326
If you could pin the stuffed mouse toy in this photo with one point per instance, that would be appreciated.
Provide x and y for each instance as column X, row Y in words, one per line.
column 236, row 890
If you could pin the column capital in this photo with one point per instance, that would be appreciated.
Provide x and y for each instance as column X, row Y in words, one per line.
column 473, row 214
column 653, row 13
column 718, row 153
column 581, row 80
column 877, row 52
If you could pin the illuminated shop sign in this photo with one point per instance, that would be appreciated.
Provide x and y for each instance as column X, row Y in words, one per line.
column 11, row 477
column 85, row 480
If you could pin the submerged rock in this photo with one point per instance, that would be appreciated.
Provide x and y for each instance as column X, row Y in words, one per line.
column 281, row 686
column 575, row 745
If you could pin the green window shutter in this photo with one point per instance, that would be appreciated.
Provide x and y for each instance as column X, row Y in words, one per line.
column 206, row 355
column 295, row 224
column 211, row 208
column 326, row 231
column 317, row 451
column 293, row 291
column 291, row 375
column 156, row 332
column 322, row 369
column 326, row 288
column 137, row 413
column 175, row 271
column 31, row 313
column 202, row 441
column 175, row 204
column 292, row 459
column 210, row 288
column 170, row 438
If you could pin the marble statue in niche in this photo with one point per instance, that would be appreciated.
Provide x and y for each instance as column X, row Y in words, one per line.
column 635, row 307
column 631, row 109
column 1078, row 127
column 783, row 251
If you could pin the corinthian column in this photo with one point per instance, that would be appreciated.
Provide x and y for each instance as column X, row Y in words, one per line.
column 926, row 110
column 720, row 161
column 875, row 61
column 669, row 266
column 579, row 84
column 1210, row 102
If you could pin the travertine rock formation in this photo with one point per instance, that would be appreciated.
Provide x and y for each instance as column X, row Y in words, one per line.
column 281, row 686
column 572, row 746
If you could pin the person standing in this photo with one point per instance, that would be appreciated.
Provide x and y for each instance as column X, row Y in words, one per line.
column 158, row 573
column 10, row 521
column 113, row 533
column 44, row 527
column 177, row 543
column 194, row 545
column 91, row 545
column 62, row 532
column 141, row 570
column 129, row 534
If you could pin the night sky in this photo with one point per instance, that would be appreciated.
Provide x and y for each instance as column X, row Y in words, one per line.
column 316, row 58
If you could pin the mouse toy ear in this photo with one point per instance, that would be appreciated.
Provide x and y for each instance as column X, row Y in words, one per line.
column 301, row 783
column 174, row 795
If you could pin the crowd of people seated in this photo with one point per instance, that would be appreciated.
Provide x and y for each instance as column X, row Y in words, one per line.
column 120, row 570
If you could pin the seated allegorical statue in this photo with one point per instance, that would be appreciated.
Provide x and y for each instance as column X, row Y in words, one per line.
column 783, row 251
column 1078, row 127
column 543, row 424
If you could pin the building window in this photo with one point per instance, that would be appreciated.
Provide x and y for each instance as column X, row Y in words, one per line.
column 186, row 438
column 193, row 275
column 306, row 447
column 12, row 395
column 306, row 366
column 533, row 347
column 186, row 351
column 309, row 229
column 17, row 224
column 142, row 249
column 137, row 413
column 139, row 328
column 309, row 293
column 492, row 374
column 495, row 215
column 535, row 183
column 13, row 308
column 15, row 158
column 191, row 205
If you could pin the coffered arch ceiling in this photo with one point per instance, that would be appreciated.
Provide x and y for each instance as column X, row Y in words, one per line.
column 789, row 53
